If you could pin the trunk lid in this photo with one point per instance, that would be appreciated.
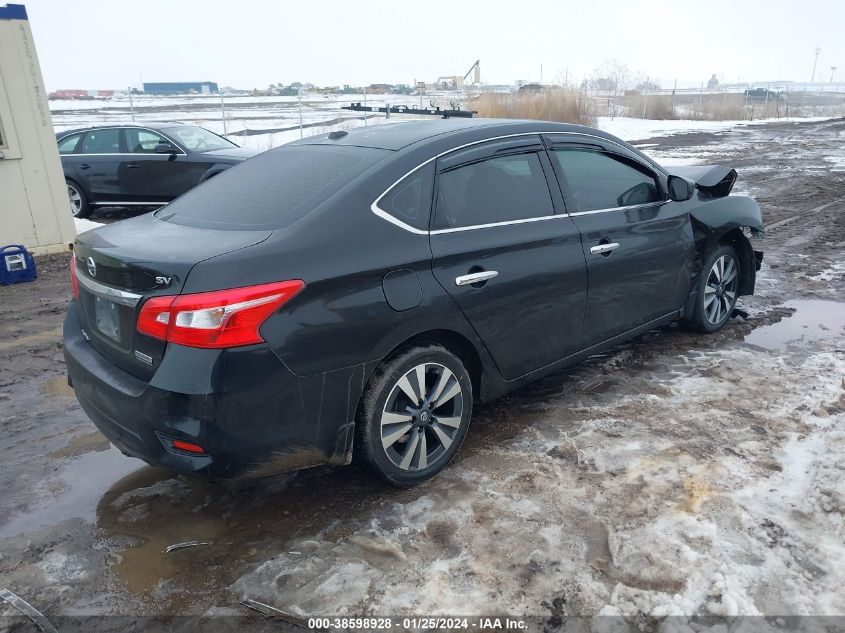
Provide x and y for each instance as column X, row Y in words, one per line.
column 120, row 265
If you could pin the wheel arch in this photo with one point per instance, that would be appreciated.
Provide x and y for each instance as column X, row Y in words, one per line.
column 747, row 261
column 78, row 183
column 454, row 342
column 707, row 239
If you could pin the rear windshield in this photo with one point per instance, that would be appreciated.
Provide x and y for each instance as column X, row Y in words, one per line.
column 272, row 189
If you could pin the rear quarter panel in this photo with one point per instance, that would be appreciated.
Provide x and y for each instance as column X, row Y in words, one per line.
column 342, row 251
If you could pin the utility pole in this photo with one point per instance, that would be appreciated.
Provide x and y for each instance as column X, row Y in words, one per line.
column 815, row 61
column 299, row 100
column 700, row 96
column 131, row 105
column 674, row 90
column 223, row 112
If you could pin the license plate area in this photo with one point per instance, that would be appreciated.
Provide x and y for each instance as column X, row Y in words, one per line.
column 107, row 318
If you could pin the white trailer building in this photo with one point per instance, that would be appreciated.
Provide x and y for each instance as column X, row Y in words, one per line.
column 34, row 207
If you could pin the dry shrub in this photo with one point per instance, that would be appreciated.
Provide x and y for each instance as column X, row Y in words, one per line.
column 654, row 106
column 709, row 107
column 552, row 104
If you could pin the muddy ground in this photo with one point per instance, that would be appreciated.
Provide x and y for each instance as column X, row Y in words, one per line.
column 679, row 474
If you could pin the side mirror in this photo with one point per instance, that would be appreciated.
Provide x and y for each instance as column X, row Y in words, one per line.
column 680, row 188
column 164, row 148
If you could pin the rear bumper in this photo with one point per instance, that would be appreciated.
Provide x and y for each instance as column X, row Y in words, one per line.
column 250, row 413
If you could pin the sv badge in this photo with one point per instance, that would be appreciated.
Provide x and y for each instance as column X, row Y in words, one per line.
column 164, row 281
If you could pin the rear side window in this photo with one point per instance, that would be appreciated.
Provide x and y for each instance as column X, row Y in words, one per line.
column 499, row 189
column 409, row 200
column 69, row 143
column 102, row 142
column 598, row 180
column 272, row 189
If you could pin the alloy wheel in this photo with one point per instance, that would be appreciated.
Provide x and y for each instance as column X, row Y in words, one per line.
column 422, row 416
column 75, row 200
column 720, row 289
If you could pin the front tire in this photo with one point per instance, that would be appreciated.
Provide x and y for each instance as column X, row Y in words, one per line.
column 717, row 287
column 415, row 415
column 79, row 206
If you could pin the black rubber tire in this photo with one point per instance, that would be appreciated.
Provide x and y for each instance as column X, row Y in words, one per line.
column 697, row 321
column 85, row 208
column 368, row 428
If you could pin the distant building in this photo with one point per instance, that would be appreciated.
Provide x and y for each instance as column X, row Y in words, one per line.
column 713, row 82
column 69, row 94
column 531, row 87
column 181, row 87
column 80, row 94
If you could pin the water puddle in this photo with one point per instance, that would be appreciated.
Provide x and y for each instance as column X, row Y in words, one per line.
column 83, row 481
column 815, row 324
column 56, row 386
column 244, row 523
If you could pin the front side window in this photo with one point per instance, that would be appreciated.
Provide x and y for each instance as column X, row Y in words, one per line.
column 599, row 180
column 102, row 142
column 197, row 139
column 69, row 143
column 143, row 141
column 500, row 189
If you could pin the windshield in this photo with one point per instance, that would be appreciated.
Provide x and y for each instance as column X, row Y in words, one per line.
column 273, row 189
column 197, row 139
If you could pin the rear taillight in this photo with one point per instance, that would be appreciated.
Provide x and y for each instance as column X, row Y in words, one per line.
column 188, row 447
column 223, row 318
column 73, row 281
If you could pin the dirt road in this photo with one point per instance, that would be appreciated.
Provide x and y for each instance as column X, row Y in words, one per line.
column 680, row 474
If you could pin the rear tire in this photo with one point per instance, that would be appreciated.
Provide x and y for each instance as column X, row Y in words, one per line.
column 79, row 206
column 408, row 432
column 716, row 291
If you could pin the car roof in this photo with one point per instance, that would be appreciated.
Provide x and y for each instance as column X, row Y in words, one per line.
column 152, row 125
column 398, row 136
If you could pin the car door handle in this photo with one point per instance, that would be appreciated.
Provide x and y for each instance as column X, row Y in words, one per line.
column 602, row 249
column 84, row 166
column 474, row 278
column 132, row 165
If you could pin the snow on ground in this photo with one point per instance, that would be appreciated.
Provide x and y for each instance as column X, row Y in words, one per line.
column 83, row 225
column 630, row 129
column 705, row 489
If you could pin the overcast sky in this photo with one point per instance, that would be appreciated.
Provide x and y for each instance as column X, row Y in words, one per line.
column 250, row 43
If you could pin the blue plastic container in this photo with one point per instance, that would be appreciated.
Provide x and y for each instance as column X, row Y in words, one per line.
column 16, row 265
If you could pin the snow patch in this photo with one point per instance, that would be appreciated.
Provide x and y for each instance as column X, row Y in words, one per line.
column 83, row 225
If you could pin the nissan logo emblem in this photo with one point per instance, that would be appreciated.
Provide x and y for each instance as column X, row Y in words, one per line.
column 92, row 266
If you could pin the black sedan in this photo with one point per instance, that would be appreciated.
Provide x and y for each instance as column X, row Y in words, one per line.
column 140, row 165
column 357, row 293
